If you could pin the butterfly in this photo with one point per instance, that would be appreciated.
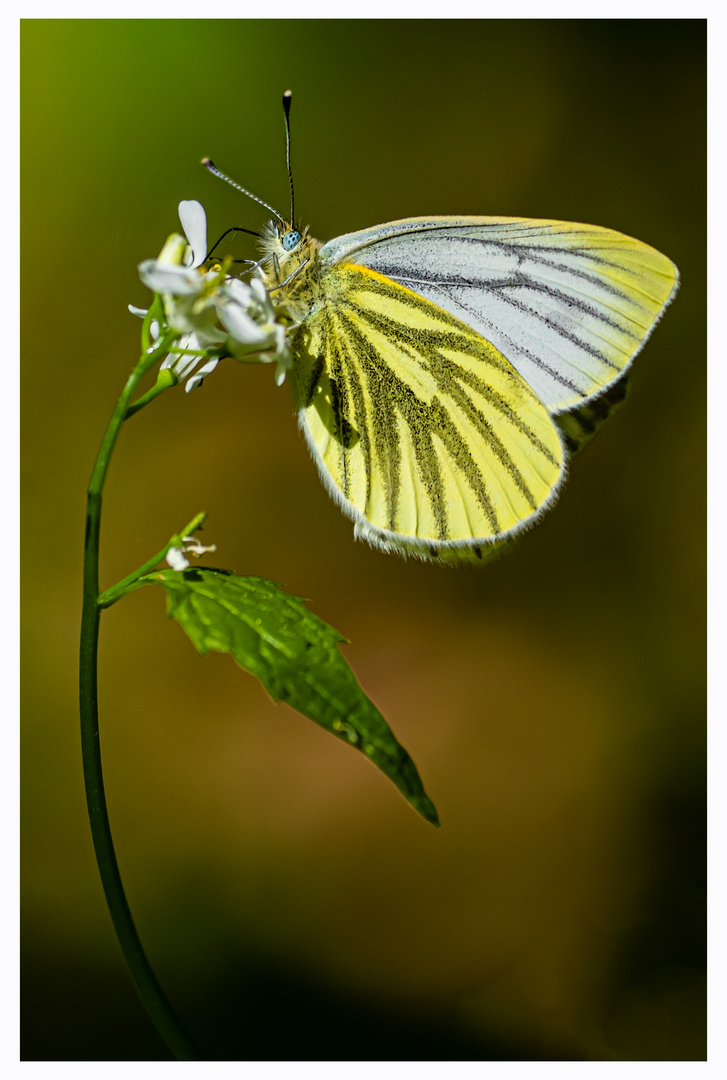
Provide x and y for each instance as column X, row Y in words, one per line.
column 443, row 367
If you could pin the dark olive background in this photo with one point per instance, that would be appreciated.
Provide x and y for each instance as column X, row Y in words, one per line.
column 292, row 904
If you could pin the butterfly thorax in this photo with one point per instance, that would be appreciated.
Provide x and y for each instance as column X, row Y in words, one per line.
column 291, row 270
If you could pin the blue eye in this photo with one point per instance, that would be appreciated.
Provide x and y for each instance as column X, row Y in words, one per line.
column 291, row 239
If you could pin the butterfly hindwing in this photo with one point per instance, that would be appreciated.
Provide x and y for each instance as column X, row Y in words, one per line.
column 427, row 436
column 569, row 305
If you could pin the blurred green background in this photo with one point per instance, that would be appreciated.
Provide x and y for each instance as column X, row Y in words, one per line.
column 293, row 905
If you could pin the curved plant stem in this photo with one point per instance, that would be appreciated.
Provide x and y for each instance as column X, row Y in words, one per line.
column 165, row 379
column 159, row 1009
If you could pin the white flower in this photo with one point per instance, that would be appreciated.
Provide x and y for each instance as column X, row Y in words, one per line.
column 182, row 363
column 173, row 271
column 216, row 314
column 189, row 295
column 176, row 556
column 255, row 335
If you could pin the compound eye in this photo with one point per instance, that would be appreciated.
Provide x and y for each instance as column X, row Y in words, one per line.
column 291, row 239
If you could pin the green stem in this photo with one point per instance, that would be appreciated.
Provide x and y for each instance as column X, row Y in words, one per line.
column 165, row 379
column 110, row 596
column 159, row 1009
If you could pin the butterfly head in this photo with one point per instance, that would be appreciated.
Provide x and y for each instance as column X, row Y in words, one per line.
column 280, row 238
column 291, row 239
column 288, row 266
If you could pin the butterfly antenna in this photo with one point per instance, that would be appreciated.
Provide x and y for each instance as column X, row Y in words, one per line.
column 208, row 164
column 287, row 99
column 234, row 229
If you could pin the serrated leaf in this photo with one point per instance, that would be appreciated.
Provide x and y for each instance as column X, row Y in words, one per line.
column 295, row 655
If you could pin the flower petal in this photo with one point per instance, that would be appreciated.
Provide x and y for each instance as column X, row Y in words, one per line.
column 241, row 327
column 192, row 544
column 174, row 251
column 238, row 291
column 194, row 223
column 162, row 278
column 185, row 365
column 140, row 311
column 176, row 559
column 263, row 299
column 196, row 380
column 259, row 289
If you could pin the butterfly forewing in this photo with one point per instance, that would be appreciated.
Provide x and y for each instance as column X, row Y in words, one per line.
column 421, row 428
column 569, row 305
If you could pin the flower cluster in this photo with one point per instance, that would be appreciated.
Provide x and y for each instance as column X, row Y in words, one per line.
column 214, row 314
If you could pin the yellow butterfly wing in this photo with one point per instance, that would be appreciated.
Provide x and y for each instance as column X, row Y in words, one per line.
column 429, row 439
column 570, row 305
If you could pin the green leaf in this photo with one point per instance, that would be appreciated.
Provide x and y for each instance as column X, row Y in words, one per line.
column 295, row 656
